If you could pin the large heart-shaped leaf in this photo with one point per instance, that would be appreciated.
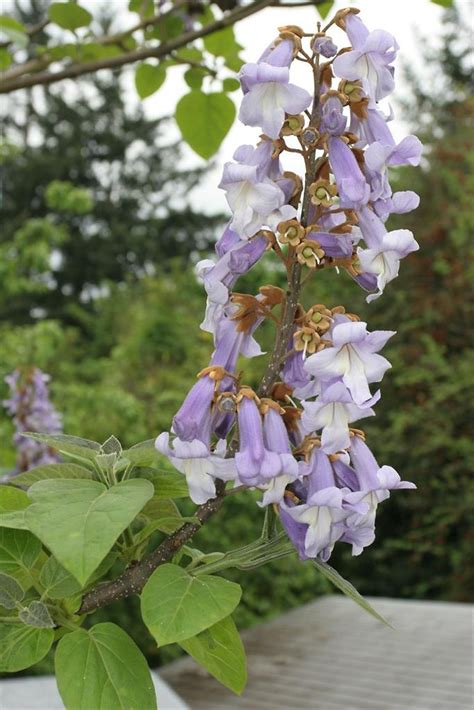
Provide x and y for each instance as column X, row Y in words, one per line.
column 103, row 668
column 220, row 650
column 79, row 520
column 204, row 120
column 176, row 605
column 22, row 646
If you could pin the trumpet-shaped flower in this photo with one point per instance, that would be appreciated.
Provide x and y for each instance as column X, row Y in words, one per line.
column 384, row 260
column 199, row 465
column 332, row 412
column 352, row 357
column 256, row 464
column 371, row 59
column 268, row 96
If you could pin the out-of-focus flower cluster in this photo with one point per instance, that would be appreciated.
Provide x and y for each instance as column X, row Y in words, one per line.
column 32, row 411
column 296, row 444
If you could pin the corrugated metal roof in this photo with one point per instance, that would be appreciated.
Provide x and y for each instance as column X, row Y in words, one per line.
column 331, row 655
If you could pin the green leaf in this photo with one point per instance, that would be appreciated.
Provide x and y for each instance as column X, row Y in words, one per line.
column 69, row 15
column 37, row 615
column 169, row 28
column 13, row 30
column 79, row 521
column 190, row 54
column 230, row 84
column 194, row 77
column 175, row 605
column 164, row 516
column 15, row 519
column 69, row 445
column 234, row 62
column 103, row 668
column 51, row 471
column 5, row 59
column 22, row 646
column 443, row 3
column 12, row 499
column 220, row 651
column 324, row 8
column 19, row 551
column 167, row 484
column 57, row 581
column 204, row 120
column 143, row 7
column 222, row 43
column 143, row 454
column 12, row 505
column 10, row 591
column 149, row 78
column 347, row 588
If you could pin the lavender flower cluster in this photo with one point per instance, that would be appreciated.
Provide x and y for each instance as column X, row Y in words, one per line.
column 306, row 458
column 32, row 411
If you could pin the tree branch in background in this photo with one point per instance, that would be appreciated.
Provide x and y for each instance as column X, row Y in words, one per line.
column 13, row 79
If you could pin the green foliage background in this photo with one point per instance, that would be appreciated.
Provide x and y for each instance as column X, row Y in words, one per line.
column 114, row 320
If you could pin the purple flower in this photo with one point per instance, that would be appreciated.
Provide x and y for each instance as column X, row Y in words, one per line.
column 353, row 358
column 256, row 464
column 251, row 192
column 384, row 260
column 325, row 46
column 324, row 510
column 31, row 409
column 276, row 439
column 279, row 53
column 332, row 412
column 333, row 120
column 268, row 96
column 351, row 184
column 334, row 245
column 370, row 60
column 226, row 241
column 219, row 277
column 371, row 485
column 193, row 419
column 200, row 467
column 231, row 341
